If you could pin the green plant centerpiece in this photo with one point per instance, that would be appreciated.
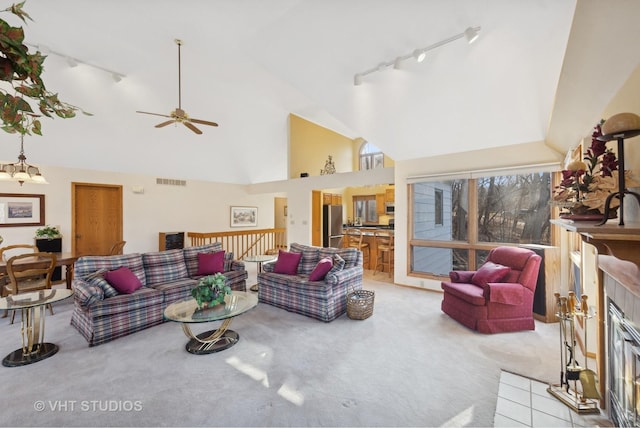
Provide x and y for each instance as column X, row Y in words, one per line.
column 48, row 232
column 211, row 290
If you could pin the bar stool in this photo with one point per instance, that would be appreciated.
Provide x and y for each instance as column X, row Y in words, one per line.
column 353, row 239
column 384, row 242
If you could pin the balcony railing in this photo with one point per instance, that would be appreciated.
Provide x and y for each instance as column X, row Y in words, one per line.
column 244, row 243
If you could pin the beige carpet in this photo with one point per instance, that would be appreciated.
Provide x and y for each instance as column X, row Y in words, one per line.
column 407, row 365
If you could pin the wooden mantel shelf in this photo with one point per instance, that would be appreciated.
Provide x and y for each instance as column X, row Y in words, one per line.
column 623, row 242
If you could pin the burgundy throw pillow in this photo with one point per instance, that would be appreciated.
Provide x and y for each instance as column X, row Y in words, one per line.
column 490, row 272
column 287, row 262
column 210, row 263
column 123, row 280
column 322, row 268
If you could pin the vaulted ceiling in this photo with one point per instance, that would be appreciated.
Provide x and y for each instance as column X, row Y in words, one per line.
column 542, row 70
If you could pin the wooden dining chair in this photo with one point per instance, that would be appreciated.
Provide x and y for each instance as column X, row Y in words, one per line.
column 13, row 250
column 117, row 248
column 6, row 253
column 25, row 276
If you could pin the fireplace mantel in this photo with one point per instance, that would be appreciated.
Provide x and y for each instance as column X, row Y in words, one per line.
column 622, row 242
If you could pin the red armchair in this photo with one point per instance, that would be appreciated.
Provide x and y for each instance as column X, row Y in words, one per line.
column 498, row 297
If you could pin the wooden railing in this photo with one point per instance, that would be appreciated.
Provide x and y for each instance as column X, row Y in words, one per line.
column 243, row 243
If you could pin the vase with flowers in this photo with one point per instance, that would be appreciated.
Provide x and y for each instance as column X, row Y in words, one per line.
column 587, row 183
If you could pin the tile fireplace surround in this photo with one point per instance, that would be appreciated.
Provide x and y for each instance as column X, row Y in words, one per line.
column 621, row 297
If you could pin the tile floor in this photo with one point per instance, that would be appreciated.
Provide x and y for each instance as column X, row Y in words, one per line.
column 524, row 402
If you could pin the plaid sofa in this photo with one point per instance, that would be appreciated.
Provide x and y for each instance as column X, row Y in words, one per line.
column 324, row 300
column 100, row 314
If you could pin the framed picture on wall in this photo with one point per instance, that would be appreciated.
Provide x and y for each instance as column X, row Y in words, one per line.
column 17, row 209
column 244, row 216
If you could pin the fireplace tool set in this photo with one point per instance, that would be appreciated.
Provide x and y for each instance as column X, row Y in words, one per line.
column 583, row 399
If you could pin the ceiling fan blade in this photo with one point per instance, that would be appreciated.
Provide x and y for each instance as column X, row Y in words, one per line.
column 191, row 127
column 155, row 114
column 203, row 122
column 168, row 122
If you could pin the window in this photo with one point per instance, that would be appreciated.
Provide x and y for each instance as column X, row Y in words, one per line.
column 370, row 157
column 365, row 208
column 454, row 223
column 438, row 207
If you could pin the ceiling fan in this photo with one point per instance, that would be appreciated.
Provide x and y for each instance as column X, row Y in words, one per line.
column 178, row 115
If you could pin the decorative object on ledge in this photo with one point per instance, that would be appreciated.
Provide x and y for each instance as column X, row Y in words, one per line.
column 329, row 167
column 21, row 171
column 620, row 127
column 582, row 400
column 587, row 184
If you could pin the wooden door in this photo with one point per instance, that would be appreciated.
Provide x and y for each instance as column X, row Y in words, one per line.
column 96, row 217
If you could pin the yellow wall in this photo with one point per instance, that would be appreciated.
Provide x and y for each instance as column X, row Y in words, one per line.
column 310, row 145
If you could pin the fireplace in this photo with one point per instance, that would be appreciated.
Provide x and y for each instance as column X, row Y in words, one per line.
column 624, row 369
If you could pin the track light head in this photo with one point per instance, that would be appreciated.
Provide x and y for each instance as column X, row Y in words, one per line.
column 397, row 64
column 357, row 79
column 419, row 55
column 471, row 34
column 72, row 62
column 116, row 77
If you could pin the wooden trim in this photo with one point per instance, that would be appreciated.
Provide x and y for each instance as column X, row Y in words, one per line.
column 243, row 243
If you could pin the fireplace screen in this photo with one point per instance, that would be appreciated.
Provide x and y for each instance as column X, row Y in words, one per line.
column 624, row 369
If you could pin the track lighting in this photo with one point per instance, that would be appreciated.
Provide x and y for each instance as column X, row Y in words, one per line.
column 74, row 62
column 471, row 34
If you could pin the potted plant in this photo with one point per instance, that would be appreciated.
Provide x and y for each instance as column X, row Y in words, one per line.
column 22, row 70
column 211, row 290
column 48, row 232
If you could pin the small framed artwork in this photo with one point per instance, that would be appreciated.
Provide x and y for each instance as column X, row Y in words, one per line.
column 17, row 209
column 244, row 216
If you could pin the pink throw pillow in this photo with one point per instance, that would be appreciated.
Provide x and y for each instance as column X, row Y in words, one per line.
column 320, row 271
column 123, row 280
column 210, row 263
column 287, row 262
column 490, row 272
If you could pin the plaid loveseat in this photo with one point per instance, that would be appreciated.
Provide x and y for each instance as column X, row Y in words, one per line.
column 100, row 314
column 324, row 300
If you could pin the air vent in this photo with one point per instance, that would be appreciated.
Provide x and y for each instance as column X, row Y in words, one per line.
column 171, row 182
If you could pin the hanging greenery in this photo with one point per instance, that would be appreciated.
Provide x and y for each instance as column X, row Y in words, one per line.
column 28, row 99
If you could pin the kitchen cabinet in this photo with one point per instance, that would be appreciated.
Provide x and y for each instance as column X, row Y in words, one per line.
column 326, row 199
column 380, row 201
column 331, row 199
column 336, row 199
column 390, row 195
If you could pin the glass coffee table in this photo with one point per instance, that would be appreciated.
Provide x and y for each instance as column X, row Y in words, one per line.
column 187, row 313
column 33, row 307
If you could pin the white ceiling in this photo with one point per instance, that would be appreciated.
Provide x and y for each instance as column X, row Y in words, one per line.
column 247, row 64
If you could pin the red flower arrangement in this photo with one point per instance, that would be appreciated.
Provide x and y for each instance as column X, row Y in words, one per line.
column 586, row 184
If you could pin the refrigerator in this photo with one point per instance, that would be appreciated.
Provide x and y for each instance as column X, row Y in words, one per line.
column 332, row 226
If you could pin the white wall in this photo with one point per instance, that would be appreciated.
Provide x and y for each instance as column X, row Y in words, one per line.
column 198, row 207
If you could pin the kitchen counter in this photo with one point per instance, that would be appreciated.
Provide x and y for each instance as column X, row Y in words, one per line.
column 368, row 236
